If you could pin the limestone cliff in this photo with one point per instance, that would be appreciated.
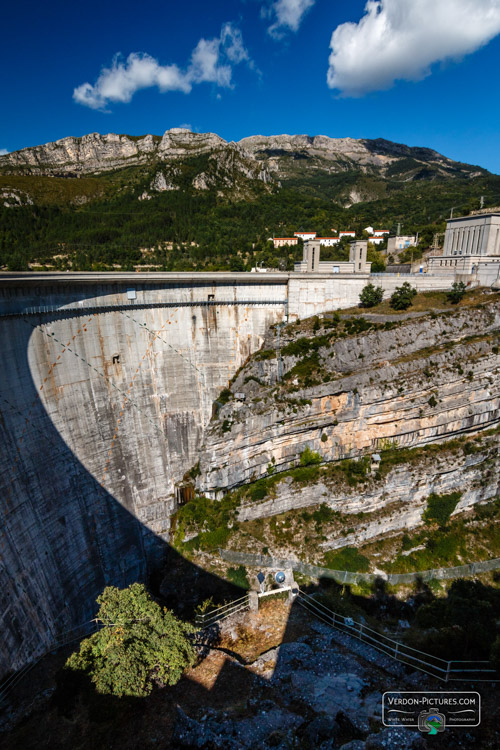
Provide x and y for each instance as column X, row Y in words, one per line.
column 346, row 394
column 280, row 154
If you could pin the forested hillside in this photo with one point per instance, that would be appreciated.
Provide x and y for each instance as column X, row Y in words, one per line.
column 217, row 210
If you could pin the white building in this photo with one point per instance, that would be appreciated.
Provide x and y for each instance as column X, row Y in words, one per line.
column 376, row 239
column 400, row 242
column 328, row 241
column 348, row 233
column 380, row 232
column 306, row 235
column 280, row 241
column 473, row 235
column 471, row 247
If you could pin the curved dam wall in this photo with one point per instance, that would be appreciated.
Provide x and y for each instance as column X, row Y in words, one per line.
column 103, row 405
column 104, row 399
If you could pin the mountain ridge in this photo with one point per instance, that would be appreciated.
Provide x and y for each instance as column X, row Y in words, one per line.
column 96, row 153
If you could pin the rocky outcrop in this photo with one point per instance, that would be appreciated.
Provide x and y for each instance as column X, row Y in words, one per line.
column 386, row 506
column 280, row 155
column 14, row 198
column 426, row 380
column 95, row 153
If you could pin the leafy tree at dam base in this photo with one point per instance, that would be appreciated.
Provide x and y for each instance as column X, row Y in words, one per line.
column 140, row 644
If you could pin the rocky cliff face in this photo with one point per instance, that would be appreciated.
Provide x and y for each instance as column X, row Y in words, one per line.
column 408, row 384
column 281, row 154
column 381, row 506
column 95, row 153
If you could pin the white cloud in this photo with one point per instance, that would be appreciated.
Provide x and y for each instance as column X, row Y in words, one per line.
column 400, row 39
column 211, row 61
column 4, row 151
column 288, row 15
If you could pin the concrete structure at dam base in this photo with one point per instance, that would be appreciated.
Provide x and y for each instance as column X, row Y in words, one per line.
column 108, row 382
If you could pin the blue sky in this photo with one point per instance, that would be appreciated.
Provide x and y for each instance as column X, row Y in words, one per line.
column 420, row 72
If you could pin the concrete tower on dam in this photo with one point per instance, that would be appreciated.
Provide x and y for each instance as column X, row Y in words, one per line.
column 107, row 386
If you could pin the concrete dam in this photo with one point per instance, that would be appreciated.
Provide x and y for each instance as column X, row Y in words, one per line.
column 107, row 385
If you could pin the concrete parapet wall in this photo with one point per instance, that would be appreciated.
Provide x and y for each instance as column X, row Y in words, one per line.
column 422, row 282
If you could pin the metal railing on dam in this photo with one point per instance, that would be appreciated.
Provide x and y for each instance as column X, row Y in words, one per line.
column 88, row 308
column 453, row 670
column 446, row 671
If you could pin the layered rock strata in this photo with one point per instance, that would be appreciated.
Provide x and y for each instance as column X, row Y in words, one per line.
column 424, row 381
column 94, row 153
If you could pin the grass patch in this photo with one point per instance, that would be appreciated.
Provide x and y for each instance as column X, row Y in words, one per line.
column 239, row 577
column 211, row 520
column 347, row 558
column 440, row 507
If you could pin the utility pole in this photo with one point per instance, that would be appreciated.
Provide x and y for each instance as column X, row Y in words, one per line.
column 398, row 230
column 482, row 201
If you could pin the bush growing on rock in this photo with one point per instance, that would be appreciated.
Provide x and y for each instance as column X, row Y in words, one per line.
column 456, row 293
column 309, row 457
column 371, row 296
column 139, row 644
column 402, row 297
column 440, row 507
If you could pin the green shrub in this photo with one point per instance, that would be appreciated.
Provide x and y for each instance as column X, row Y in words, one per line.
column 259, row 490
column 402, row 297
column 139, row 644
column 457, row 292
column 440, row 507
column 354, row 326
column 239, row 577
column 324, row 514
column 266, row 354
column 407, row 543
column 297, row 348
column 355, row 471
column 211, row 516
column 371, row 296
column 309, row 457
column 348, row 559
column 224, row 396
column 324, row 437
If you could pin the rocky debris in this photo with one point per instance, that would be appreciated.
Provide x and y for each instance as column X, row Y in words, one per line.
column 15, row 198
column 395, row 738
column 271, row 727
column 320, row 696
